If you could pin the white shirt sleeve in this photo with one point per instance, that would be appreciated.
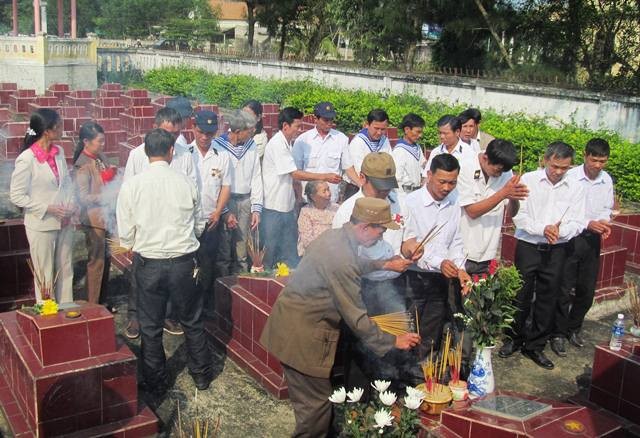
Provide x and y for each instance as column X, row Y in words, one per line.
column 257, row 195
column 124, row 216
column 297, row 152
column 284, row 162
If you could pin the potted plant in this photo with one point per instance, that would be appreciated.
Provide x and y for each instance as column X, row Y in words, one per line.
column 489, row 310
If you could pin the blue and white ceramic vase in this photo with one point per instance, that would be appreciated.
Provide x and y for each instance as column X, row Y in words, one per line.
column 481, row 381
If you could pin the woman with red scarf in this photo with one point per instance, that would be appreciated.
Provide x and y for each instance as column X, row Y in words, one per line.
column 97, row 203
column 41, row 186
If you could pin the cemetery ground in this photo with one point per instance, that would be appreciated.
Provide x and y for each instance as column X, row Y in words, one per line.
column 243, row 408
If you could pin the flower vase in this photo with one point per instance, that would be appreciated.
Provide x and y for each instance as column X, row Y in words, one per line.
column 481, row 381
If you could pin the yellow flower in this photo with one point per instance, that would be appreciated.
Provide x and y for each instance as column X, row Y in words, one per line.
column 283, row 270
column 49, row 307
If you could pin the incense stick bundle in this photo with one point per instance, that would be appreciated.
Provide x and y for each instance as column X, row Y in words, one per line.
column 455, row 361
column 40, row 278
column 397, row 323
column 521, row 159
column 114, row 246
column 432, row 234
column 253, row 248
column 634, row 302
column 563, row 215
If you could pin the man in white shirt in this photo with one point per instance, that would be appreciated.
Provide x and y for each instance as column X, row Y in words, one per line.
column 324, row 150
column 408, row 155
column 171, row 121
column 583, row 263
column 214, row 186
column 470, row 131
column 548, row 218
column 435, row 208
column 245, row 203
column 279, row 224
column 159, row 219
column 183, row 107
column 372, row 138
column 486, row 186
column 450, row 142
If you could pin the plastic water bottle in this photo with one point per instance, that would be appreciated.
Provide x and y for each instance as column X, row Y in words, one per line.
column 617, row 331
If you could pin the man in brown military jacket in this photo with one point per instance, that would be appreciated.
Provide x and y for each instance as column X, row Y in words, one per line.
column 303, row 328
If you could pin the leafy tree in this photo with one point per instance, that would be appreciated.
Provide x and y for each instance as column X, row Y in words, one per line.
column 280, row 18
column 251, row 19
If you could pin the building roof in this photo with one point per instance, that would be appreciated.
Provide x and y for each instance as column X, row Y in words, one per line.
column 230, row 10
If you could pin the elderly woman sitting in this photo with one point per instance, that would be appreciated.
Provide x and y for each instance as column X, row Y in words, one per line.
column 316, row 217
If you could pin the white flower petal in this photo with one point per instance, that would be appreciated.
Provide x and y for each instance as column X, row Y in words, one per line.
column 381, row 385
column 388, row 398
column 415, row 393
column 338, row 396
column 382, row 418
column 355, row 395
column 412, row 402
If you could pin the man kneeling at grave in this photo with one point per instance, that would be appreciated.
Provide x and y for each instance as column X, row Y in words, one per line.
column 304, row 326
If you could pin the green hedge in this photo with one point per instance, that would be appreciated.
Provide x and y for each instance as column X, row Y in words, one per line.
column 352, row 106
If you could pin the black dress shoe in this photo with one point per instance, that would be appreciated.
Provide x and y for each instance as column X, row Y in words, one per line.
column 202, row 382
column 508, row 348
column 539, row 359
column 576, row 340
column 558, row 346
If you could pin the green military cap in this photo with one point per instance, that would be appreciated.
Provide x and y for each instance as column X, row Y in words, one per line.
column 374, row 211
column 380, row 169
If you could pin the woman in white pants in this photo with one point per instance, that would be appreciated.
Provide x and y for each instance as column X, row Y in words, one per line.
column 41, row 186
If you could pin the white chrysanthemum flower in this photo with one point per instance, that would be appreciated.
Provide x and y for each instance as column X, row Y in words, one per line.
column 382, row 418
column 338, row 396
column 388, row 398
column 412, row 402
column 355, row 395
column 415, row 393
column 381, row 385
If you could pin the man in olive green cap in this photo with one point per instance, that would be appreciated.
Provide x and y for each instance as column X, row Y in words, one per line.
column 304, row 326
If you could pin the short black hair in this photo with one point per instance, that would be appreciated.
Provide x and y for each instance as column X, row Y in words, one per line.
column 168, row 115
column 502, row 152
column 288, row 115
column 411, row 120
column 597, row 147
column 470, row 113
column 451, row 120
column 157, row 142
column 560, row 150
column 377, row 115
column 446, row 162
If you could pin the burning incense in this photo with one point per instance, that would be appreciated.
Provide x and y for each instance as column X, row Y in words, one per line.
column 397, row 323
column 114, row 246
column 563, row 215
column 253, row 248
column 521, row 159
column 455, row 361
column 634, row 302
column 40, row 278
column 432, row 234
column 417, row 322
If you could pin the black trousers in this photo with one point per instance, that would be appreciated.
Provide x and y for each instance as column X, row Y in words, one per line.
column 207, row 258
column 541, row 269
column 157, row 281
column 429, row 293
column 581, row 274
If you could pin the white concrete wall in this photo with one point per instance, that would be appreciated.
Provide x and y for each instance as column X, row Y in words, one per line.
column 593, row 110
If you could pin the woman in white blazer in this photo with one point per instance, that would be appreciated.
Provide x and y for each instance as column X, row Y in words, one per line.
column 41, row 186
